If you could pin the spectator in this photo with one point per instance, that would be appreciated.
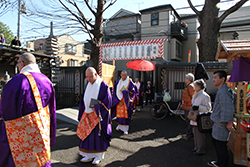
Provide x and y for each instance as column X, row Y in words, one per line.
column 187, row 103
column 222, row 117
column 139, row 87
column 149, row 90
column 2, row 39
column 201, row 102
column 16, row 42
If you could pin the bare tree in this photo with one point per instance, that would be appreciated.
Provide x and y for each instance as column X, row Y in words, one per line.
column 94, row 30
column 210, row 24
column 72, row 16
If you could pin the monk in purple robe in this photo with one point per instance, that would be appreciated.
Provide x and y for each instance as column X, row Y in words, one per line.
column 95, row 108
column 18, row 100
column 122, row 102
column 139, row 87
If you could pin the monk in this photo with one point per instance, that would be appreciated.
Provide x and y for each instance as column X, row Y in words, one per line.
column 140, row 94
column 122, row 102
column 94, row 128
column 28, row 111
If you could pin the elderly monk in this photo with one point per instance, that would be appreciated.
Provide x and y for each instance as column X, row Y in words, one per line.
column 28, row 109
column 122, row 102
column 94, row 128
column 139, row 101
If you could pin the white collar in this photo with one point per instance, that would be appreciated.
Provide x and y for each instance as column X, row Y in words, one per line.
column 198, row 93
column 119, row 87
column 92, row 91
column 30, row 68
column 138, row 85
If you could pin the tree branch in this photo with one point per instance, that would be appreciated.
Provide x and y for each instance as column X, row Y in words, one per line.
column 193, row 8
column 83, row 17
column 231, row 10
column 92, row 11
column 79, row 20
column 110, row 4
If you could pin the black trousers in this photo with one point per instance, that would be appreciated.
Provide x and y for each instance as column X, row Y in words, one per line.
column 222, row 153
column 189, row 132
column 148, row 97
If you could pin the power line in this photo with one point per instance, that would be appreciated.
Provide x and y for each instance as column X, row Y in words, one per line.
column 201, row 5
column 62, row 26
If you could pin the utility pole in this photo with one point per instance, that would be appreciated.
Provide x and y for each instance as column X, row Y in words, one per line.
column 21, row 9
column 19, row 20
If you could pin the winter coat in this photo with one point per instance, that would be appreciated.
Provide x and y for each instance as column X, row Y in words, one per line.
column 187, row 97
column 201, row 99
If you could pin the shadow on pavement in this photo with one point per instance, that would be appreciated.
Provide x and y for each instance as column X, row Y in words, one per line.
column 64, row 118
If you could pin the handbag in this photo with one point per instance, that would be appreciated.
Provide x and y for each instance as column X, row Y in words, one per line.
column 204, row 123
column 192, row 115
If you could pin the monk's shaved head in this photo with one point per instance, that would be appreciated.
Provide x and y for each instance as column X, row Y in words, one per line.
column 91, row 70
column 124, row 75
column 27, row 58
column 91, row 74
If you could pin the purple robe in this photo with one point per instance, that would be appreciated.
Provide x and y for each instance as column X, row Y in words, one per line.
column 128, row 95
column 94, row 142
column 136, row 96
column 3, row 40
column 140, row 94
column 17, row 101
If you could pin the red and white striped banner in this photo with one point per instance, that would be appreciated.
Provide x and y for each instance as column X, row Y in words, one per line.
column 145, row 49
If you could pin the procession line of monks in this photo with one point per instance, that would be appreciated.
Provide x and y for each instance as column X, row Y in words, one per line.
column 126, row 96
column 28, row 115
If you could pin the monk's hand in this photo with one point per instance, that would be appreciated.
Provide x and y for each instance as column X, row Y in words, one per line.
column 230, row 126
column 92, row 107
column 121, row 103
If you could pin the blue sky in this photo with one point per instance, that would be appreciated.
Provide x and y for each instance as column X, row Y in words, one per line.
column 132, row 5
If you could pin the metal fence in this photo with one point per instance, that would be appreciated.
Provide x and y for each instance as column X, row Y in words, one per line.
column 69, row 83
column 171, row 75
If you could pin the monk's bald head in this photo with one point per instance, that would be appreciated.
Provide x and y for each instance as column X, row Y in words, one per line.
column 91, row 74
column 27, row 58
column 91, row 70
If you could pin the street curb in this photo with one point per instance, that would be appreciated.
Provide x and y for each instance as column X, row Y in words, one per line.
column 56, row 163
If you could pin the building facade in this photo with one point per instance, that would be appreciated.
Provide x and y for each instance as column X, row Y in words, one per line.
column 164, row 22
column 71, row 53
column 123, row 26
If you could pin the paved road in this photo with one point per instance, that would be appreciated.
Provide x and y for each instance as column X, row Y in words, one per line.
column 149, row 143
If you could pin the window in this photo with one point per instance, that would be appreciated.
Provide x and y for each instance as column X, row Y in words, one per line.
column 70, row 49
column 179, row 85
column 178, row 50
column 155, row 19
column 72, row 63
column 41, row 46
column 83, row 48
column 173, row 18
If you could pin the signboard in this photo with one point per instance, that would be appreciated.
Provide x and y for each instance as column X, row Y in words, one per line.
column 241, row 98
column 145, row 49
column 108, row 73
